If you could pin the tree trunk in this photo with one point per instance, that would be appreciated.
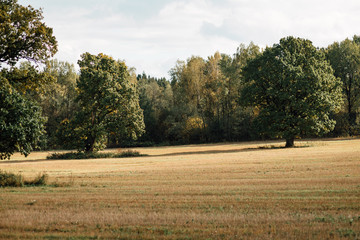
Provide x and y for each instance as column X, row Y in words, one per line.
column 289, row 142
column 89, row 145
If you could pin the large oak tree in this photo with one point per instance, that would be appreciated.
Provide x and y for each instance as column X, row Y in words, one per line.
column 294, row 89
column 108, row 102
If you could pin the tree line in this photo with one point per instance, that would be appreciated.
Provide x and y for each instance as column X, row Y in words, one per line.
column 289, row 90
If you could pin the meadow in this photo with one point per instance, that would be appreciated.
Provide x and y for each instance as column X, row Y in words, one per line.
column 253, row 190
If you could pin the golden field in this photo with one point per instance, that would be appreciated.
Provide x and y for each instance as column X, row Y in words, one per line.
column 252, row 190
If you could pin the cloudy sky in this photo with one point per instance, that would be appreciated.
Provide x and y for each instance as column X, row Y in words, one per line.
column 151, row 35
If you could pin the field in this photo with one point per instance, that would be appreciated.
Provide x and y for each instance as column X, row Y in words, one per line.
column 250, row 190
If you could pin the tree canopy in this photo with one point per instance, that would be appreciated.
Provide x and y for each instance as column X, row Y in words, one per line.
column 21, row 123
column 108, row 103
column 344, row 58
column 23, row 34
column 294, row 90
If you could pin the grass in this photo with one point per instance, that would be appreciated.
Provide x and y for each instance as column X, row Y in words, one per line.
column 212, row 191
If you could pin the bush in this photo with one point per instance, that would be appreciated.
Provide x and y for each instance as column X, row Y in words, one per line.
column 16, row 180
column 40, row 180
column 10, row 180
column 128, row 153
column 83, row 155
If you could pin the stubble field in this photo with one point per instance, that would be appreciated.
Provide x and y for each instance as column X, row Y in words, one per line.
column 218, row 191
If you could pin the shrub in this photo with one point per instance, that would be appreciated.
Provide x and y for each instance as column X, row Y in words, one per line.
column 40, row 180
column 128, row 153
column 83, row 155
column 10, row 180
column 16, row 180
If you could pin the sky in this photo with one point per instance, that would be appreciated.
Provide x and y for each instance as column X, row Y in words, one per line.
column 151, row 35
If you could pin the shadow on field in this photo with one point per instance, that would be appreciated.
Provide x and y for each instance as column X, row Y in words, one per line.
column 260, row 148
column 217, row 151
column 39, row 160
column 155, row 155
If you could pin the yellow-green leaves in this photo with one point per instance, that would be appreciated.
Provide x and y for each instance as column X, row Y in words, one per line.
column 24, row 35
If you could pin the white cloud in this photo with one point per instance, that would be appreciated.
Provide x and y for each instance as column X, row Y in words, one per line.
column 152, row 35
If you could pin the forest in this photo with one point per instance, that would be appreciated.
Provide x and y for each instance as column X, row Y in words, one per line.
column 290, row 90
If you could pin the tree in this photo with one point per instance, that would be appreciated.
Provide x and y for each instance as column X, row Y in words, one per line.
column 23, row 34
column 356, row 39
column 57, row 99
column 108, row 101
column 344, row 58
column 294, row 89
column 235, row 119
column 187, row 82
column 156, row 101
column 21, row 123
column 211, row 93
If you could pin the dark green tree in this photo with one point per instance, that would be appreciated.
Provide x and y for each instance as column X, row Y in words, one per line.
column 23, row 37
column 294, row 89
column 156, row 101
column 235, row 118
column 344, row 58
column 108, row 101
column 21, row 123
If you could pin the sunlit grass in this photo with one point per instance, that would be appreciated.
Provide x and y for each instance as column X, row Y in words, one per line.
column 213, row 191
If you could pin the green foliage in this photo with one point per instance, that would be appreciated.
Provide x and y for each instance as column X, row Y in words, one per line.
column 294, row 89
column 94, row 155
column 21, row 123
column 17, row 180
column 344, row 58
column 58, row 99
column 27, row 79
column 23, row 34
column 108, row 103
column 156, row 100
column 209, row 90
column 236, row 120
column 67, row 135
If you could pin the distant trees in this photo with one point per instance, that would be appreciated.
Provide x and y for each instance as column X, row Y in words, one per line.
column 23, row 37
column 206, row 94
column 156, row 100
column 235, row 118
column 344, row 58
column 294, row 89
column 58, row 99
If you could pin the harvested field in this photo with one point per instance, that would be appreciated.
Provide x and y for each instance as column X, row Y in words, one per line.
column 252, row 190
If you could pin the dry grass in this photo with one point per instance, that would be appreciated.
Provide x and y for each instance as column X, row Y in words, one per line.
column 217, row 191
